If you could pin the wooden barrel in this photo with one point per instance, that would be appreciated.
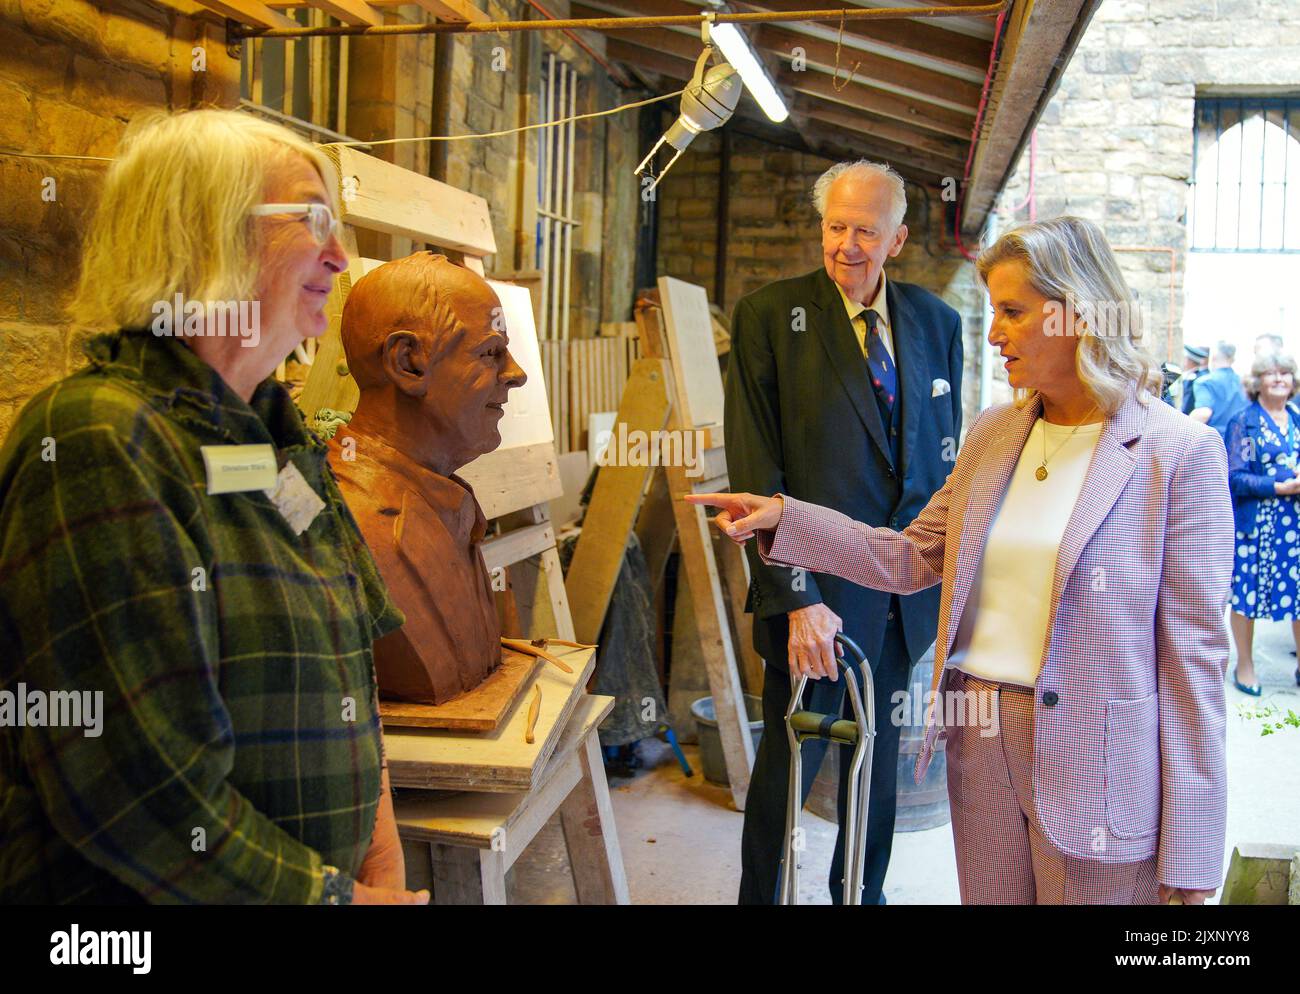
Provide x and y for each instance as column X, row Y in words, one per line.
column 920, row 806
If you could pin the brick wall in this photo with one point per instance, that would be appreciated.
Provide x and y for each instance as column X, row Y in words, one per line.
column 72, row 75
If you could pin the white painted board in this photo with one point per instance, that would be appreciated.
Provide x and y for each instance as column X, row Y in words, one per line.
column 694, row 357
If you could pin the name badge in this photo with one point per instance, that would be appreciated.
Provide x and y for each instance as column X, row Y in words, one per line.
column 234, row 469
column 294, row 498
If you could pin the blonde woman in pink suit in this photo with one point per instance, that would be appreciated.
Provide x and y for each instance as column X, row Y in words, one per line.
column 1084, row 544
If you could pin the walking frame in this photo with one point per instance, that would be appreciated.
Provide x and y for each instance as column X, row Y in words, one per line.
column 860, row 732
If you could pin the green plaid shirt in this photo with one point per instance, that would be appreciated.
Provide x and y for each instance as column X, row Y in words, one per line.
column 240, row 747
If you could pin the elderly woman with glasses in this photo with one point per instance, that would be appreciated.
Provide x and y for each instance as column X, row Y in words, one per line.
column 1084, row 545
column 1263, row 449
column 176, row 557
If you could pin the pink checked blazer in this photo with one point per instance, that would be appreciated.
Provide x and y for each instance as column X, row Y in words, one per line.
column 1129, row 753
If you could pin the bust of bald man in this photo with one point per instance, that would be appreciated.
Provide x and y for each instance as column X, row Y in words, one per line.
column 426, row 341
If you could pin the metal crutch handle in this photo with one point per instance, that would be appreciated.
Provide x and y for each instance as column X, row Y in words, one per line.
column 860, row 732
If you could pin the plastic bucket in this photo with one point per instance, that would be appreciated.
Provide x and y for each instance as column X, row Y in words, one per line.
column 706, row 723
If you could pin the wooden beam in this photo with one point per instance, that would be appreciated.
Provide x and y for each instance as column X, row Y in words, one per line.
column 922, row 82
column 251, row 12
column 781, row 42
column 945, row 164
column 918, row 113
column 1041, row 38
column 380, row 196
column 454, row 11
column 863, row 96
column 881, row 127
column 350, row 11
column 904, row 37
column 918, row 167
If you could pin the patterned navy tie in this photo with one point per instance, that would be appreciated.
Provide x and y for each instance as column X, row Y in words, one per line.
column 884, row 377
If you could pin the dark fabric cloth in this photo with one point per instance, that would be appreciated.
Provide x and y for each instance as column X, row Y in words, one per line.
column 625, row 663
column 626, row 667
column 226, row 647
column 763, row 837
column 1189, row 390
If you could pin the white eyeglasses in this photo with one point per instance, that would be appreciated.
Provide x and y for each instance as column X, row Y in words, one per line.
column 320, row 219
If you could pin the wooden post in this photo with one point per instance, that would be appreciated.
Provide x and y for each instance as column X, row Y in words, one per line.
column 615, row 502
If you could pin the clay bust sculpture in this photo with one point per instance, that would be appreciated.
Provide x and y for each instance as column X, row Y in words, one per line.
column 426, row 342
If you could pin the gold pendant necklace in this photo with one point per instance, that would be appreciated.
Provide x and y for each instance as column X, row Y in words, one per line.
column 1040, row 474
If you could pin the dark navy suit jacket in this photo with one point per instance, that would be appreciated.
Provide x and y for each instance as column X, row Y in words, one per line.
column 801, row 419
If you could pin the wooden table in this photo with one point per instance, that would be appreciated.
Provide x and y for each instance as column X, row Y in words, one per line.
column 461, row 846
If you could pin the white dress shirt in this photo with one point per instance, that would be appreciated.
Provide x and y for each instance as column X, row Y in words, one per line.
column 1015, row 584
column 880, row 305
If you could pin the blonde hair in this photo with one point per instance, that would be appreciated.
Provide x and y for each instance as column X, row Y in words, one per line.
column 1068, row 261
column 173, row 213
column 1267, row 363
column 863, row 169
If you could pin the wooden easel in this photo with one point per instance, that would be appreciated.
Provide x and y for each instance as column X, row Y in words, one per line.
column 513, row 485
column 658, row 398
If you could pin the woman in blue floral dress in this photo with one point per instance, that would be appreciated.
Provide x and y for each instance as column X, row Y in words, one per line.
column 1263, row 445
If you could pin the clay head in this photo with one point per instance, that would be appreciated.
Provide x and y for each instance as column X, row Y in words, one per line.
column 434, row 334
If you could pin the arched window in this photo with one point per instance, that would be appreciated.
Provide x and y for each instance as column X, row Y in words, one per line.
column 1245, row 194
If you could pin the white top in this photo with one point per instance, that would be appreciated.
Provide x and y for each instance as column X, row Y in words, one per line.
column 880, row 305
column 1010, row 623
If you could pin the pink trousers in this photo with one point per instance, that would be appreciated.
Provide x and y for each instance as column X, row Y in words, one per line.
column 1003, row 857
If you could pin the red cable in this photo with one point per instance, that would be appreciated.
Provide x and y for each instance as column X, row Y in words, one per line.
column 576, row 40
column 979, row 119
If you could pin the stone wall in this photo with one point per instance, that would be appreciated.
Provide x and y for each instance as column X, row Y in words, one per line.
column 72, row 76
column 1115, row 143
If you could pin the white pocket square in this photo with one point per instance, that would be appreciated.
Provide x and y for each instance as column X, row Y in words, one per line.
column 940, row 387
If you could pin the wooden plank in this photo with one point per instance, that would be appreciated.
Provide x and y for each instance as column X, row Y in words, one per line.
column 715, row 637
column 587, row 819
column 615, row 501
column 479, row 710
column 251, row 12
column 1041, row 39
column 500, row 760
column 937, row 86
column 385, row 197
column 350, row 11
column 1258, row 873
column 925, row 117
column 454, row 11
column 527, row 417
column 480, row 820
column 907, row 38
column 511, row 479
column 696, row 374
column 543, row 604
column 517, row 545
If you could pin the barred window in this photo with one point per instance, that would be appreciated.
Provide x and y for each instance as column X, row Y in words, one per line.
column 1245, row 194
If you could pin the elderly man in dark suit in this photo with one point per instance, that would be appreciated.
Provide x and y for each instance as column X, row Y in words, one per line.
column 844, row 389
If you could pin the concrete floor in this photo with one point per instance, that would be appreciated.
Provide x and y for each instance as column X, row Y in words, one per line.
column 681, row 838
